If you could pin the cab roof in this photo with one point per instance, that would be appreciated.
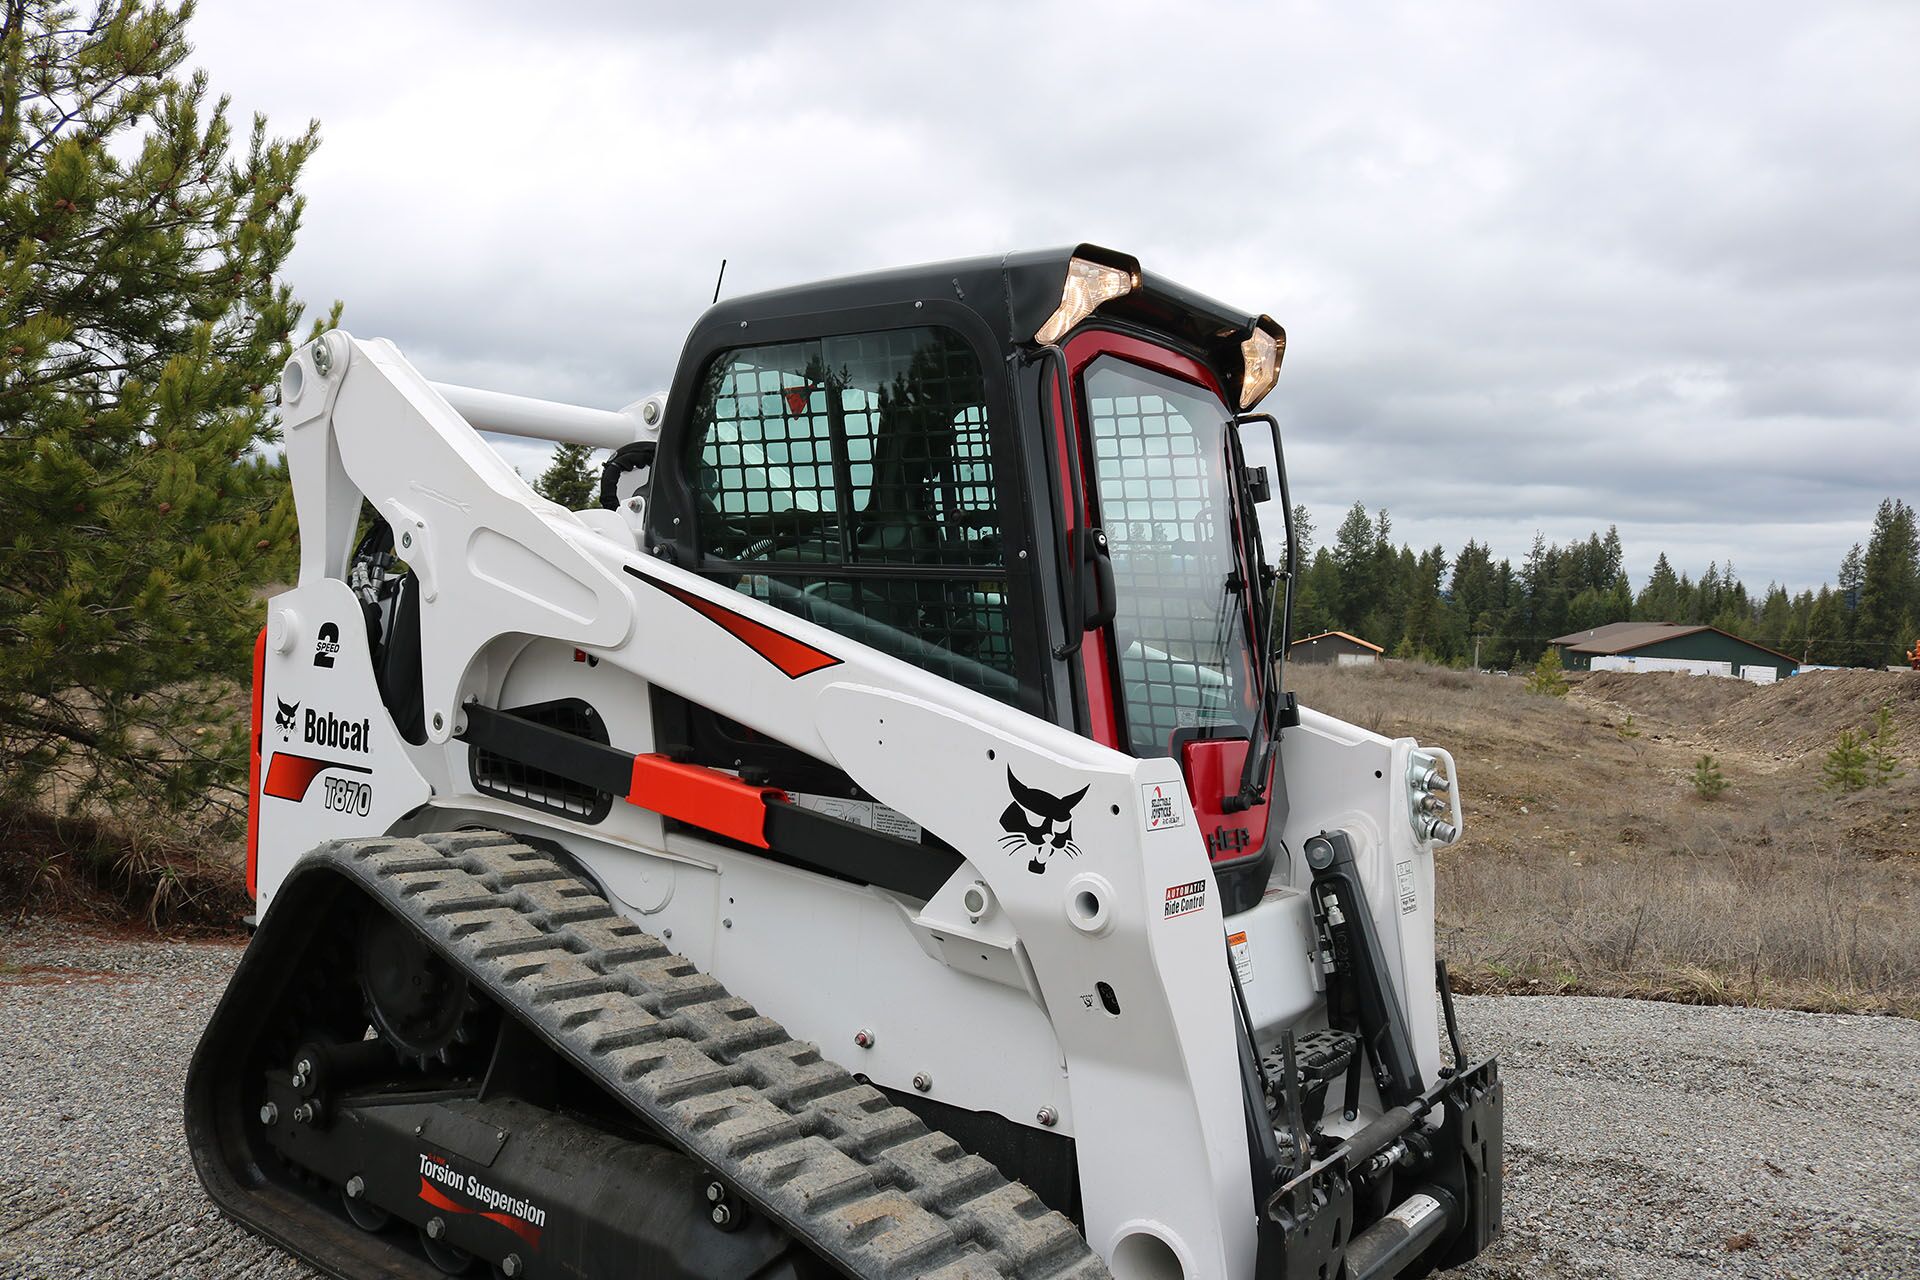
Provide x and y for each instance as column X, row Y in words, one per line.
column 1015, row 293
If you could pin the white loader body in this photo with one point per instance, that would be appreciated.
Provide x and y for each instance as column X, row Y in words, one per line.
column 996, row 994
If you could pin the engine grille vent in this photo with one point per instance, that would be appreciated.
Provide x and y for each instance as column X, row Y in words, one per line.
column 495, row 775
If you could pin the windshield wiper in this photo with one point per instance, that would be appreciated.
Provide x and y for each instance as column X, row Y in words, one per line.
column 1258, row 762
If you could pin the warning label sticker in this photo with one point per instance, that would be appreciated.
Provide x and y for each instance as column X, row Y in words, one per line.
column 866, row 813
column 1183, row 899
column 1160, row 803
column 1409, row 896
column 1242, row 956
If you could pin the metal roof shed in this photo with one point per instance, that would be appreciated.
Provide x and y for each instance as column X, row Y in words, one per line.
column 1672, row 642
column 1334, row 647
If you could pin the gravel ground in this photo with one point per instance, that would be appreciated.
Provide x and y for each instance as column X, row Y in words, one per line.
column 94, row 1174
column 1643, row 1140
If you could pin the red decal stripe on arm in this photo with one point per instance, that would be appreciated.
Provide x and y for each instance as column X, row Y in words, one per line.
column 792, row 657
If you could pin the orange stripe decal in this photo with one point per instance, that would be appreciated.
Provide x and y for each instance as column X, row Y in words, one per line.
column 706, row 798
column 793, row 658
column 289, row 776
column 253, row 762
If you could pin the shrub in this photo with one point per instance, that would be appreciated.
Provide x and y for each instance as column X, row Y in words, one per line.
column 1548, row 676
column 1708, row 781
column 1847, row 765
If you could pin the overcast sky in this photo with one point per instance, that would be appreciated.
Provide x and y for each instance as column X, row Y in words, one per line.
column 1542, row 267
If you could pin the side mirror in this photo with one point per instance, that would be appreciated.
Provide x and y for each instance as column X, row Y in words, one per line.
column 1260, row 450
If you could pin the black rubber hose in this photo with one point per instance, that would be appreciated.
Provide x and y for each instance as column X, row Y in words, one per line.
column 1397, row 1240
column 628, row 457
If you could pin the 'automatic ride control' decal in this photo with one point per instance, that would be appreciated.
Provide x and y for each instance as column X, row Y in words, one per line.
column 1184, row 899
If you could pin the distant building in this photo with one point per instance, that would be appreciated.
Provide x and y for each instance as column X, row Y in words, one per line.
column 1672, row 646
column 1335, row 647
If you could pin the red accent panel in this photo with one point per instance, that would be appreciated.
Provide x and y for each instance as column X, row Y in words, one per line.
column 1213, row 769
column 711, row 800
column 1102, row 725
column 1082, row 350
column 253, row 761
column 793, row 658
column 289, row 776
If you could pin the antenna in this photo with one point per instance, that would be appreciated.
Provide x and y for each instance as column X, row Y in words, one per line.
column 717, row 279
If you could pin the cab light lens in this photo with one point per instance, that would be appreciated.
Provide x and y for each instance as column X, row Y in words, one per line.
column 1260, row 351
column 1088, row 285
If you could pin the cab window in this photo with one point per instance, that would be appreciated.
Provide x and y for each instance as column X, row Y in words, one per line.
column 850, row 480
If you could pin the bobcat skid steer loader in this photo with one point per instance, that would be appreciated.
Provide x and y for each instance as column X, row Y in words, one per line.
column 874, row 842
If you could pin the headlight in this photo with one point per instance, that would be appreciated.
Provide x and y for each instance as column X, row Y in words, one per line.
column 1088, row 285
column 1260, row 351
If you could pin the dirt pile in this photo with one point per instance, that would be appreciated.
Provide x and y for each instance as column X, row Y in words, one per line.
column 1788, row 721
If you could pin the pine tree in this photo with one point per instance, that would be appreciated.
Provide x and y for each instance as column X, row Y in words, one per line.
column 1708, row 781
column 1353, row 556
column 142, row 320
column 1615, row 555
column 1303, row 535
column 1853, row 576
column 1662, row 600
column 1775, row 627
column 1889, row 586
column 570, row 478
column 1847, row 767
column 1316, row 607
column 1823, row 629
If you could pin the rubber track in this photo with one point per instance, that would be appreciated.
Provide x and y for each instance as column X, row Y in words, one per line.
column 829, row 1158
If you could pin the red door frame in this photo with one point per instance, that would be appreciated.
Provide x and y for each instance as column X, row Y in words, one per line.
column 1099, row 662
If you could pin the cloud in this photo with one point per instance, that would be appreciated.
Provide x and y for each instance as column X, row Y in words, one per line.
column 1542, row 267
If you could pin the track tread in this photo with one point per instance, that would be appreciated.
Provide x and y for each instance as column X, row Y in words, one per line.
column 829, row 1158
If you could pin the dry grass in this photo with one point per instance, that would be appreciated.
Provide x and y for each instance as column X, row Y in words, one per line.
column 119, row 875
column 1591, row 866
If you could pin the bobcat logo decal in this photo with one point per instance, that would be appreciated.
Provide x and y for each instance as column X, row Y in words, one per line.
column 283, row 719
column 1037, row 823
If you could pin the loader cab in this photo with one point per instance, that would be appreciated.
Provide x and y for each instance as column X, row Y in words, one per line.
column 1026, row 475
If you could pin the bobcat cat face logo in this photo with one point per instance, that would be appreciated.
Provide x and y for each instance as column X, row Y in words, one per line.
column 283, row 719
column 1037, row 823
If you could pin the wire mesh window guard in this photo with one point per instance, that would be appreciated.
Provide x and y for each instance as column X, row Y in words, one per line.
column 1180, row 626
column 850, row 480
